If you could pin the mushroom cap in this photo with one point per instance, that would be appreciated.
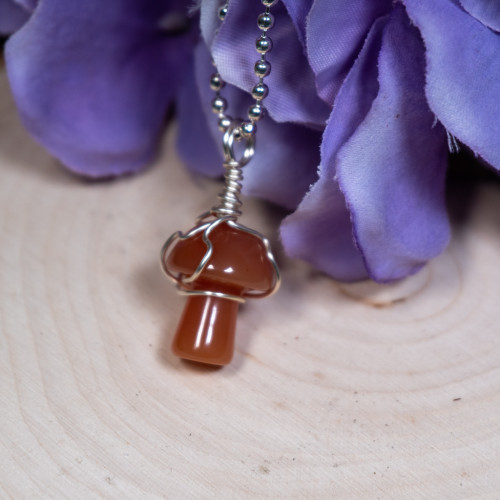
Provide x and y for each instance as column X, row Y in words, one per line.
column 239, row 261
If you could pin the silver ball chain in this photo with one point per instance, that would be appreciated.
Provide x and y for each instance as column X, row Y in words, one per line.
column 227, row 211
column 262, row 68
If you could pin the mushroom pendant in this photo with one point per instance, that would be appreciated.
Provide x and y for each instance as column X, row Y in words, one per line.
column 218, row 264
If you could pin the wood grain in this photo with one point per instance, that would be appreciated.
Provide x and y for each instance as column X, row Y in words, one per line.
column 336, row 391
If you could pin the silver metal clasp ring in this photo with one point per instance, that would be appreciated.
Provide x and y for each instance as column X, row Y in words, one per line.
column 233, row 133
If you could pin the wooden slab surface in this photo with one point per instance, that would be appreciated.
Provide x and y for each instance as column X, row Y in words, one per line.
column 336, row 391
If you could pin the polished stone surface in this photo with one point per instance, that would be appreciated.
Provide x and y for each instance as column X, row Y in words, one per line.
column 238, row 265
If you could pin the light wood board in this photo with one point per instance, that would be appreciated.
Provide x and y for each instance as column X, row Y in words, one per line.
column 336, row 391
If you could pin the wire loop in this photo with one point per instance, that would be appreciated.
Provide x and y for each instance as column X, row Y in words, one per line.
column 184, row 282
column 233, row 133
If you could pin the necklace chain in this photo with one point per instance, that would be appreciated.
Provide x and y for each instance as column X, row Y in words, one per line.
column 262, row 68
column 206, row 330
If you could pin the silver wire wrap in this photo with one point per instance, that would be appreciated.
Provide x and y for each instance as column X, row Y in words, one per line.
column 182, row 282
column 229, row 198
column 228, row 209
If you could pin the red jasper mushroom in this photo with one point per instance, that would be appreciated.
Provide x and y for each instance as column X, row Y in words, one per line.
column 239, row 266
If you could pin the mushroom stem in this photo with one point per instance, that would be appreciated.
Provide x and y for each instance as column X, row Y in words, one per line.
column 206, row 330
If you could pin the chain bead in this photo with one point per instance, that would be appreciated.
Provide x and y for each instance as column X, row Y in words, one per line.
column 269, row 3
column 265, row 21
column 223, row 12
column 256, row 112
column 224, row 123
column 238, row 135
column 263, row 44
column 216, row 82
column 248, row 128
column 219, row 105
column 262, row 68
column 260, row 91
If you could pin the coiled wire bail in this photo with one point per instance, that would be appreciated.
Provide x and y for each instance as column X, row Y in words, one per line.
column 230, row 203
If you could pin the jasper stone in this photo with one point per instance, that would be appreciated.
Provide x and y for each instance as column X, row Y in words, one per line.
column 238, row 264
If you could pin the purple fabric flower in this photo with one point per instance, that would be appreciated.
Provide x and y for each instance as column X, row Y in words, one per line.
column 364, row 95
column 393, row 82
column 13, row 14
column 93, row 80
column 277, row 173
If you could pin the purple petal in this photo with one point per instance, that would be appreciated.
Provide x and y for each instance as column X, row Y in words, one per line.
column 320, row 230
column 486, row 11
column 209, row 20
column 28, row 5
column 298, row 12
column 336, row 31
column 292, row 95
column 392, row 169
column 463, row 74
column 92, row 80
column 12, row 16
column 284, row 164
column 196, row 143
